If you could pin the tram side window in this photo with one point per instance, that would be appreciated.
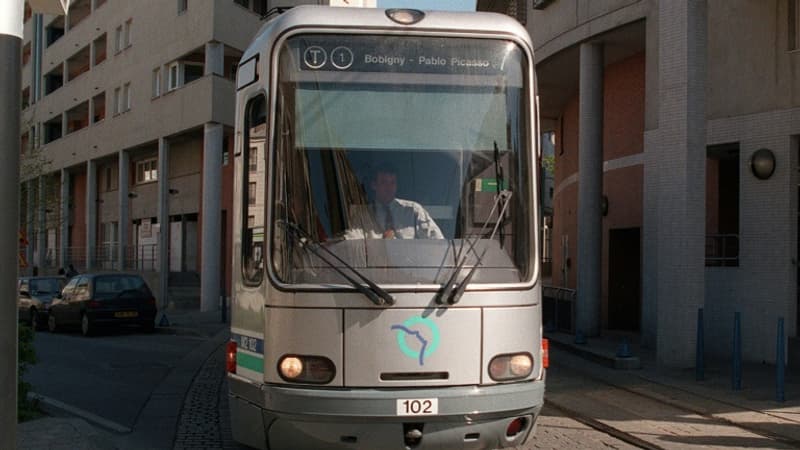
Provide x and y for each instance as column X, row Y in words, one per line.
column 253, row 192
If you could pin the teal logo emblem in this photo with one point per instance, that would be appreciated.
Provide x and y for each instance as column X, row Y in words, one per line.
column 426, row 338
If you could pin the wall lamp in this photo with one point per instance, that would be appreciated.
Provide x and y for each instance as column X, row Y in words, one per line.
column 132, row 195
column 762, row 163
column 173, row 191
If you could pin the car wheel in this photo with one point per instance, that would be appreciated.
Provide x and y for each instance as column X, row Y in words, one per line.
column 34, row 320
column 86, row 325
column 51, row 323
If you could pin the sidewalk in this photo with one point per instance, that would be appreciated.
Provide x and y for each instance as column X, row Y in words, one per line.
column 157, row 423
column 754, row 407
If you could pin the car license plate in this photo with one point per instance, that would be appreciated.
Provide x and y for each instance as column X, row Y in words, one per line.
column 417, row 406
column 124, row 314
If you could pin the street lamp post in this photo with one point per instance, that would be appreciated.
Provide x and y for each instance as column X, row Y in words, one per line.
column 11, row 28
column 10, row 87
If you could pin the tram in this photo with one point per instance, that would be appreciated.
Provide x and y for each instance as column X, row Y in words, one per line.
column 386, row 287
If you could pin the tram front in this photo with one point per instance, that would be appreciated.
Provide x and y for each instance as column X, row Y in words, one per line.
column 398, row 280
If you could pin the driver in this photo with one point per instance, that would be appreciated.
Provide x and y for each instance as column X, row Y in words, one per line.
column 391, row 217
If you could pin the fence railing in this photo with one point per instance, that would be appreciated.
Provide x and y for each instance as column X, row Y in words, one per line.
column 558, row 308
column 722, row 250
column 106, row 257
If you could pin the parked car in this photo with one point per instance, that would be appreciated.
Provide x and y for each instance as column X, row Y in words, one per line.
column 35, row 296
column 93, row 300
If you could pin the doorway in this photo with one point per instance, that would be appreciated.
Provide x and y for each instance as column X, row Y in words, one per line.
column 624, row 279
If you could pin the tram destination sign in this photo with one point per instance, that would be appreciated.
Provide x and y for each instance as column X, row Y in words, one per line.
column 402, row 55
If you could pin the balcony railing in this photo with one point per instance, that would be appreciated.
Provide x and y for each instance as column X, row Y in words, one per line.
column 722, row 250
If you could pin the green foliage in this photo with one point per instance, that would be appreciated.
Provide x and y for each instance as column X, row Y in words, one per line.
column 26, row 409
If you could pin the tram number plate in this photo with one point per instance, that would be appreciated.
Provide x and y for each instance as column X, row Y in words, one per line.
column 417, row 406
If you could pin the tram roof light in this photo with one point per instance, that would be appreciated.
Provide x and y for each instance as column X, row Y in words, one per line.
column 405, row 16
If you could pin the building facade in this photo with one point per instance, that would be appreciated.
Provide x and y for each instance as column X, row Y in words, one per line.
column 677, row 131
column 128, row 115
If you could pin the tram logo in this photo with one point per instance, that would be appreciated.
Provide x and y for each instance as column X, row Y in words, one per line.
column 424, row 334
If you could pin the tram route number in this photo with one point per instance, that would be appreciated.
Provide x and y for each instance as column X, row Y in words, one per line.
column 417, row 406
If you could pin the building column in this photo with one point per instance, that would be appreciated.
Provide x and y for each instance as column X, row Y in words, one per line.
column 91, row 213
column 590, row 189
column 211, row 229
column 124, row 222
column 680, row 192
column 41, row 225
column 163, row 222
column 215, row 59
column 30, row 230
column 65, row 218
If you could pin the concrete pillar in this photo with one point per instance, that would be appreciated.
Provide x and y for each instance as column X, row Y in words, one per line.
column 124, row 223
column 215, row 59
column 590, row 189
column 163, row 221
column 210, row 242
column 65, row 218
column 91, row 213
column 30, row 230
column 41, row 224
column 680, row 193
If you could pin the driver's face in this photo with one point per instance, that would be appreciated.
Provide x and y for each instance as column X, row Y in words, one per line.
column 385, row 186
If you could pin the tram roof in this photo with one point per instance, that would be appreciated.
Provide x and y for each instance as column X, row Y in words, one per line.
column 314, row 16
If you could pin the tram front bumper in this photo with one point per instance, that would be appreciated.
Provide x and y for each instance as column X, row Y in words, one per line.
column 469, row 417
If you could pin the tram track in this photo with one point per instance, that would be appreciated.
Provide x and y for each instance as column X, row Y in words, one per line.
column 648, row 415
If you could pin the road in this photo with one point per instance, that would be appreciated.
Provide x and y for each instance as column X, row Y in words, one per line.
column 110, row 376
column 109, row 380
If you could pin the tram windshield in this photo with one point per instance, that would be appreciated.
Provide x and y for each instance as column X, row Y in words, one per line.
column 405, row 159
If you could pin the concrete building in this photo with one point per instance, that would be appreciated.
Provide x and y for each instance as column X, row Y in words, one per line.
column 667, row 116
column 128, row 115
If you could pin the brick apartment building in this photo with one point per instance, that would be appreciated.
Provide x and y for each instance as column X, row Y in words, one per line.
column 657, row 110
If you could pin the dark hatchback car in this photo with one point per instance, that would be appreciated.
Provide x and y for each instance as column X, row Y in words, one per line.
column 90, row 301
column 35, row 296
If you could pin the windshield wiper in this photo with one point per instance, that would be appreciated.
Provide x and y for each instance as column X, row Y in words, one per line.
column 453, row 291
column 372, row 291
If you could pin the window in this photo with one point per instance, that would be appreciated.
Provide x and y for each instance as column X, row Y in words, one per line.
column 794, row 24
column 117, row 100
column 251, row 193
column 118, row 39
column 156, row 82
column 191, row 72
column 182, row 5
column 126, row 34
column 253, row 207
column 722, row 205
column 122, row 36
column 147, row 171
column 253, row 159
column 183, row 72
column 108, row 178
column 174, row 76
column 126, row 97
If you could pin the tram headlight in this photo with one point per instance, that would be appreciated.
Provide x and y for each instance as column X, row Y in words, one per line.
column 306, row 369
column 512, row 366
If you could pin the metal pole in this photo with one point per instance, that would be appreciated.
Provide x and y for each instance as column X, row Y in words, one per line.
column 736, row 377
column 780, row 364
column 10, row 104
column 700, row 366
